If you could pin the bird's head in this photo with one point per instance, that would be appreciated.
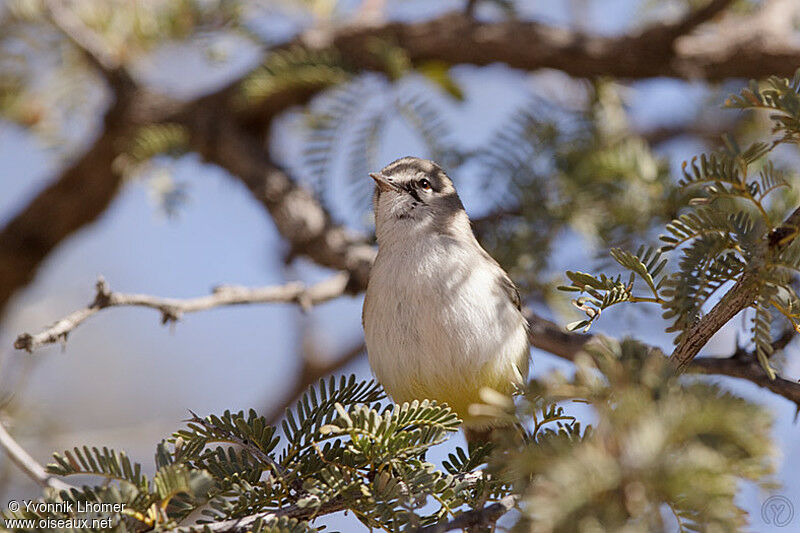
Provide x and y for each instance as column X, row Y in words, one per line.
column 415, row 195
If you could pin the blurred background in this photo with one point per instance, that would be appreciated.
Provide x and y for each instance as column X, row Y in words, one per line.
column 113, row 163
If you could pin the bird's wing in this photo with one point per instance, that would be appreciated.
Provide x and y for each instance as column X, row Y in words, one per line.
column 505, row 282
column 510, row 290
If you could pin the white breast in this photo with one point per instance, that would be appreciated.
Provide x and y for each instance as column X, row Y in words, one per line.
column 439, row 325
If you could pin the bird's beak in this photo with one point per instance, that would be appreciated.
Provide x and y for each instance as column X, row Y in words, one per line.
column 383, row 184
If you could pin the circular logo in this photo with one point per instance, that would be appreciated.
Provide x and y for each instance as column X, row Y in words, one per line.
column 777, row 511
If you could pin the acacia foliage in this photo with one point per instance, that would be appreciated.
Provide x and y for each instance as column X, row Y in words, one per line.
column 655, row 443
column 732, row 226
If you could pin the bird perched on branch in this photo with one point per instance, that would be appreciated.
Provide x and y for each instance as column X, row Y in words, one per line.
column 441, row 318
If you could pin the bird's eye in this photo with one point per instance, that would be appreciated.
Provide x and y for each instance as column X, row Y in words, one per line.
column 425, row 184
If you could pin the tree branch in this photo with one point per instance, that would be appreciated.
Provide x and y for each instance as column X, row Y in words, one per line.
column 550, row 337
column 172, row 308
column 486, row 517
column 93, row 46
column 747, row 369
column 77, row 197
column 740, row 296
column 297, row 214
column 698, row 17
column 28, row 464
column 245, row 524
column 543, row 333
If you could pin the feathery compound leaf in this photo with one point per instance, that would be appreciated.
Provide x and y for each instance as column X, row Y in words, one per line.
column 100, row 462
column 316, row 407
column 251, row 432
column 393, row 501
column 402, row 431
column 705, row 265
column 177, row 479
column 241, row 498
column 717, row 169
column 738, row 227
column 463, row 461
column 524, row 147
column 230, row 465
column 281, row 524
column 603, row 292
column 762, row 330
column 770, row 180
column 788, row 258
column 693, row 225
column 296, row 69
column 363, row 158
column 780, row 95
column 647, row 263
column 424, row 117
column 330, row 115
column 151, row 141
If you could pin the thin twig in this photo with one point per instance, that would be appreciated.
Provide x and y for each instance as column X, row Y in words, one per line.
column 544, row 334
column 485, row 517
column 256, row 452
column 173, row 308
column 28, row 464
column 244, row 524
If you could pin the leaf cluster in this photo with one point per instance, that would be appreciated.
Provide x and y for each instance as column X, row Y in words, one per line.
column 572, row 170
column 655, row 444
column 726, row 232
column 339, row 449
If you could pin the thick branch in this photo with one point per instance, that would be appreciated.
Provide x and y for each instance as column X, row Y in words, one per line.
column 456, row 38
column 658, row 50
column 741, row 296
column 28, row 464
column 172, row 308
column 77, row 197
column 698, row 17
column 299, row 217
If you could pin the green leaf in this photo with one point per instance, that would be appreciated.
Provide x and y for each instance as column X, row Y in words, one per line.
column 439, row 73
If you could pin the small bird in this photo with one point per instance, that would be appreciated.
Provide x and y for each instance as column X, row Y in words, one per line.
column 441, row 318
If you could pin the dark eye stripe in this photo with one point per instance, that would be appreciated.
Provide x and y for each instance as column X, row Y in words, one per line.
column 413, row 192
